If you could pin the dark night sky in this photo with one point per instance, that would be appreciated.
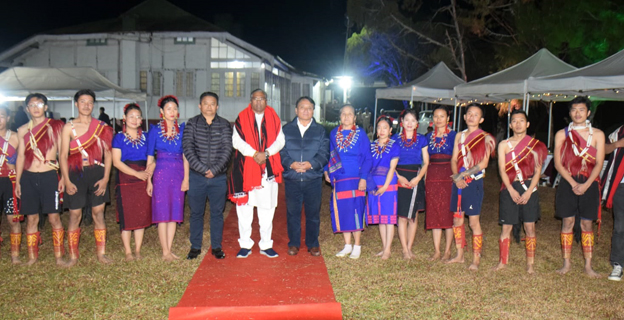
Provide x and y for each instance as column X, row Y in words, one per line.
column 310, row 35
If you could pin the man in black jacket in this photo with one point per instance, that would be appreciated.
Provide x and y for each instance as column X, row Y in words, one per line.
column 304, row 155
column 207, row 143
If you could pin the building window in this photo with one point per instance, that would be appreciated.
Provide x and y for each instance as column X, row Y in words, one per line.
column 240, row 84
column 143, row 81
column 156, row 83
column 179, row 84
column 229, row 84
column 215, row 84
column 220, row 50
column 190, row 84
column 97, row 42
column 255, row 80
column 306, row 90
column 184, row 40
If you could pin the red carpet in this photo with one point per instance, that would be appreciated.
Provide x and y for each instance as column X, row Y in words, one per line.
column 287, row 287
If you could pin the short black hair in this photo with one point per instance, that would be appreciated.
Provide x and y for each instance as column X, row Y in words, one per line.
column 258, row 90
column 406, row 112
column 7, row 112
column 39, row 96
column 386, row 119
column 208, row 94
column 519, row 111
column 83, row 92
column 441, row 107
column 578, row 100
column 131, row 106
column 102, row 109
column 476, row 105
column 347, row 105
column 305, row 98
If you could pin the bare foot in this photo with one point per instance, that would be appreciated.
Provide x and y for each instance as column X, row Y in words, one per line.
column 168, row 257
column 446, row 256
column 473, row 267
column 412, row 254
column 591, row 273
column 385, row 256
column 500, row 266
column 379, row 254
column 15, row 260
column 129, row 257
column 138, row 256
column 406, row 255
column 61, row 263
column 102, row 258
column 31, row 262
column 530, row 269
column 72, row 262
column 565, row 269
column 435, row 256
column 174, row 256
column 458, row 259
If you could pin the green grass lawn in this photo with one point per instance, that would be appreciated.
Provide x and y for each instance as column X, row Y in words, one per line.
column 368, row 288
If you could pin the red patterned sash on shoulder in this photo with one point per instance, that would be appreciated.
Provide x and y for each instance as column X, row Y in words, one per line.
column 527, row 150
column 582, row 165
column 479, row 144
column 94, row 142
column 44, row 135
column 5, row 156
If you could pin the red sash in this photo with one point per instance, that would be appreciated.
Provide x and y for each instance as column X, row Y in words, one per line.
column 479, row 144
column 94, row 142
column 10, row 153
column 525, row 158
column 44, row 135
column 576, row 165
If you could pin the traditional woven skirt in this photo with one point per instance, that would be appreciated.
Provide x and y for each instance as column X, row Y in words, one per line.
column 134, row 205
column 382, row 209
column 438, row 194
column 167, row 197
column 348, row 205
column 410, row 201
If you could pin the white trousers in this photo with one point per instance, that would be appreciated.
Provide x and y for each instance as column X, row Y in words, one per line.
column 265, row 219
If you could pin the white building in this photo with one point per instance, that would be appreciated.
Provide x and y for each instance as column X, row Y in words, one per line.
column 160, row 49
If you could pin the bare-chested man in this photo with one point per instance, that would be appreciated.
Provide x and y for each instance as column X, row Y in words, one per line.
column 37, row 182
column 86, row 163
column 579, row 154
column 520, row 161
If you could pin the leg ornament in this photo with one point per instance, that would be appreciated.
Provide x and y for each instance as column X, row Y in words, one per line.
column 530, row 245
column 100, row 240
column 73, row 239
column 503, row 250
column 587, row 242
column 460, row 236
column 566, row 244
column 33, row 240
column 58, row 236
column 16, row 240
column 477, row 244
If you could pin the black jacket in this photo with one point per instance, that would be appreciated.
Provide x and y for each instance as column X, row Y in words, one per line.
column 207, row 147
column 313, row 147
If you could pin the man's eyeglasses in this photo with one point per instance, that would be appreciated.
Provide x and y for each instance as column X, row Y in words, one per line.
column 38, row 105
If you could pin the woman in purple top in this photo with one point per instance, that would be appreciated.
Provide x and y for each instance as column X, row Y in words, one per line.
column 134, row 205
column 171, row 175
column 412, row 168
column 439, row 183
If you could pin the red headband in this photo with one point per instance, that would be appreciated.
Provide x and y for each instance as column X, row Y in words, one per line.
column 167, row 97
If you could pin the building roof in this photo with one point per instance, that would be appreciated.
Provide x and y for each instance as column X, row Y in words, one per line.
column 150, row 16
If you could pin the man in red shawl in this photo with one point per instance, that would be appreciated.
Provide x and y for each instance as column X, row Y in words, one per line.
column 86, row 163
column 520, row 161
column 8, row 199
column 471, row 154
column 256, row 171
column 613, row 194
column 579, row 154
column 37, row 182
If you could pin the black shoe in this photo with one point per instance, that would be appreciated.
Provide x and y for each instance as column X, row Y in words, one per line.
column 193, row 254
column 218, row 253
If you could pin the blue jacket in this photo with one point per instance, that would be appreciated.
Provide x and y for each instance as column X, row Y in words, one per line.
column 312, row 147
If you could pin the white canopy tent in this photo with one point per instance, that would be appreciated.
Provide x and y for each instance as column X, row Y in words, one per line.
column 61, row 84
column 513, row 82
column 604, row 80
column 435, row 86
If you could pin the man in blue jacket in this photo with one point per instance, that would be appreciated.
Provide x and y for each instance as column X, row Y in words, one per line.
column 304, row 155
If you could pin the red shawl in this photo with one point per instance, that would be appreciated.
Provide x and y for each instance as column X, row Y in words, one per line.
column 577, row 165
column 45, row 134
column 525, row 151
column 246, row 173
column 10, row 153
column 479, row 144
column 614, row 172
column 95, row 142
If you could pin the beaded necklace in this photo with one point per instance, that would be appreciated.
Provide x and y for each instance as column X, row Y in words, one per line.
column 163, row 131
column 408, row 144
column 378, row 150
column 589, row 138
column 136, row 142
column 344, row 143
column 438, row 145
